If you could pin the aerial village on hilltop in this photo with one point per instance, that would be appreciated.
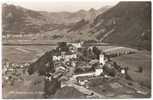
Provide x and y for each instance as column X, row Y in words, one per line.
column 74, row 65
column 79, row 66
column 91, row 53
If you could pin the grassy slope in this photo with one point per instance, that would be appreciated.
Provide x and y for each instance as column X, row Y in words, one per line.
column 130, row 20
column 133, row 61
column 31, row 88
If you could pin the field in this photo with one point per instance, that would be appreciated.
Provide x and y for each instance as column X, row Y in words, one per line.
column 22, row 54
column 134, row 62
column 114, row 89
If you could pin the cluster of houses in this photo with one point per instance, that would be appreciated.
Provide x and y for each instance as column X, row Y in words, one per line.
column 12, row 72
column 67, row 62
column 64, row 56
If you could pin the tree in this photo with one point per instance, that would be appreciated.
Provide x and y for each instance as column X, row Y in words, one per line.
column 51, row 87
column 63, row 46
column 40, row 64
column 96, row 51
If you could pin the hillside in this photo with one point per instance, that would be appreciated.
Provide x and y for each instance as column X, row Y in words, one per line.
column 130, row 22
column 16, row 19
column 127, row 24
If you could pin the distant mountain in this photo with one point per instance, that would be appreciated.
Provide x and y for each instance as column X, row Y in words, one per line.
column 83, row 27
column 20, row 20
column 127, row 23
column 16, row 19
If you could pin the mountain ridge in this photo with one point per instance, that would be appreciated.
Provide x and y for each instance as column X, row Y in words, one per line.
column 130, row 22
column 38, row 19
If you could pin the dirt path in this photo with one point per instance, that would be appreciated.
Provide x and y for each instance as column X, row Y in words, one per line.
column 23, row 50
column 87, row 91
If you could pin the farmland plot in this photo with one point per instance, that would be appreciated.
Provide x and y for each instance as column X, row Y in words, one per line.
column 134, row 62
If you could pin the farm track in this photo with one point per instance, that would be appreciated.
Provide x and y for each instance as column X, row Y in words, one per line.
column 87, row 91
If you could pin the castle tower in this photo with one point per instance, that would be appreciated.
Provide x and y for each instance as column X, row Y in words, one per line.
column 102, row 59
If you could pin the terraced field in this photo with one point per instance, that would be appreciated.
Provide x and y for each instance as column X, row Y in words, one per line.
column 22, row 54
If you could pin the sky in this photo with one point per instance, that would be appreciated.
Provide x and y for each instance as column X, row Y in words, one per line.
column 61, row 5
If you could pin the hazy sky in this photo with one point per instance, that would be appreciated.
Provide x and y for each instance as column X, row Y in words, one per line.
column 59, row 5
